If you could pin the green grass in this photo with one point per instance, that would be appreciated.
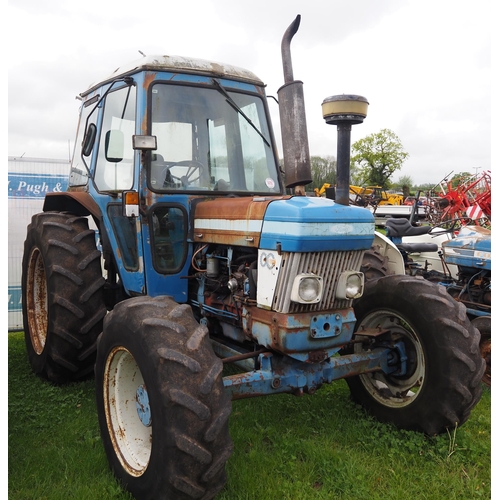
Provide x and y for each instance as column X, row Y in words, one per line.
column 313, row 447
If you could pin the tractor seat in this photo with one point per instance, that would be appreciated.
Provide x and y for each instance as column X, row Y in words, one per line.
column 402, row 227
column 398, row 228
column 417, row 247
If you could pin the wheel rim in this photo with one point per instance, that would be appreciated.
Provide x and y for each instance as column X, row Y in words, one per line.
column 394, row 391
column 36, row 298
column 128, row 414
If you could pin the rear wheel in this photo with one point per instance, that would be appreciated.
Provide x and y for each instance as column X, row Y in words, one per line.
column 63, row 305
column 162, row 407
column 441, row 382
column 374, row 265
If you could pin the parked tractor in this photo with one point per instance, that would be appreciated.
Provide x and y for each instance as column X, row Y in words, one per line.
column 457, row 255
column 179, row 248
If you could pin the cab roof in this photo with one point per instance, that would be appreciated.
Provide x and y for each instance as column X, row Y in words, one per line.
column 183, row 65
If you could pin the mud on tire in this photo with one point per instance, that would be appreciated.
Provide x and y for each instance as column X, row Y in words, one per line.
column 162, row 408
column 442, row 382
column 62, row 289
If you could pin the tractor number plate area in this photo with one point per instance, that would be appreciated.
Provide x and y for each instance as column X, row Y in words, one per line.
column 326, row 325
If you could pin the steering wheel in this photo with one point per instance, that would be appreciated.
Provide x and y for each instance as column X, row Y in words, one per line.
column 194, row 170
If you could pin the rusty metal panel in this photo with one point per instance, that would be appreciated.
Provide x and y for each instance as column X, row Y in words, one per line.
column 231, row 221
column 179, row 64
column 302, row 336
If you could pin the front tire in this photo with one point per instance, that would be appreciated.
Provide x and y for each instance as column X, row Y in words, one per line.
column 444, row 367
column 163, row 411
column 483, row 324
column 63, row 304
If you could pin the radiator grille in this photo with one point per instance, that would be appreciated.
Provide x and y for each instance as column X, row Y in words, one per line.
column 329, row 265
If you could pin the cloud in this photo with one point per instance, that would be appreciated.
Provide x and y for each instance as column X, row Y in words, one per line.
column 424, row 66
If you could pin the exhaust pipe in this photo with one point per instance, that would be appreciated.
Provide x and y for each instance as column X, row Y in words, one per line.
column 293, row 121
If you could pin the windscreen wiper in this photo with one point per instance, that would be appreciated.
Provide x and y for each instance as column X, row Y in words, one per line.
column 230, row 101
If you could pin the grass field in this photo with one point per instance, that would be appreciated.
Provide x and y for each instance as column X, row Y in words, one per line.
column 313, row 447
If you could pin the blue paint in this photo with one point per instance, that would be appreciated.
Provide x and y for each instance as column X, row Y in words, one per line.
column 279, row 376
column 142, row 406
column 471, row 249
column 35, row 186
column 15, row 298
column 303, row 333
column 305, row 224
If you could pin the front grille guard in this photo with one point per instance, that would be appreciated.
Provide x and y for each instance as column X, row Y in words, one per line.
column 329, row 265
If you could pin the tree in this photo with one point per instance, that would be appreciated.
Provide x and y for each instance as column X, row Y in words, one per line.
column 404, row 183
column 324, row 170
column 427, row 189
column 376, row 157
column 460, row 178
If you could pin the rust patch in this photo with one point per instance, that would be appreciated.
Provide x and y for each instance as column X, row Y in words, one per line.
column 149, row 77
column 241, row 220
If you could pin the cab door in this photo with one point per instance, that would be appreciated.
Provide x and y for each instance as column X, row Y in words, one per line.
column 115, row 170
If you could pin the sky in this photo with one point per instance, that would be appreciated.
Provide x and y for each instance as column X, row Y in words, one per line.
column 423, row 65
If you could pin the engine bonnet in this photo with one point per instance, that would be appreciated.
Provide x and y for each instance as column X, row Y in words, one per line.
column 292, row 224
column 471, row 248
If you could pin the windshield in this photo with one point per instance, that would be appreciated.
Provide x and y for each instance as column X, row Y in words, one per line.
column 209, row 140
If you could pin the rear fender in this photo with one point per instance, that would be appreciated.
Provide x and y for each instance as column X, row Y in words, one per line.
column 388, row 249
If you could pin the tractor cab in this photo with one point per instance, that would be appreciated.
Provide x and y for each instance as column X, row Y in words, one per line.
column 153, row 138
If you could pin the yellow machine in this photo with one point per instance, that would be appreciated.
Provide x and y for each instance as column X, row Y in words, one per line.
column 369, row 195
column 321, row 191
column 375, row 195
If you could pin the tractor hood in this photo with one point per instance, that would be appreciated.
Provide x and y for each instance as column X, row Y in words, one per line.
column 303, row 224
column 292, row 224
column 471, row 248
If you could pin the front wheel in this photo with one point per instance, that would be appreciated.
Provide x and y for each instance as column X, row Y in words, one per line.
column 441, row 382
column 483, row 324
column 162, row 408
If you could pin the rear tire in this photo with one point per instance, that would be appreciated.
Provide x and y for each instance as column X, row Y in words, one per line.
column 374, row 264
column 163, row 411
column 63, row 305
column 444, row 367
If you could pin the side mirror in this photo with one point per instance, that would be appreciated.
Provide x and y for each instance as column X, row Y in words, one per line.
column 89, row 140
column 114, row 146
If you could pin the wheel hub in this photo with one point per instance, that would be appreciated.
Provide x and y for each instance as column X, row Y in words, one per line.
column 142, row 405
column 128, row 411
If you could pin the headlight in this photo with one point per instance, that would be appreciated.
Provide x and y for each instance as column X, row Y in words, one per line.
column 350, row 285
column 307, row 289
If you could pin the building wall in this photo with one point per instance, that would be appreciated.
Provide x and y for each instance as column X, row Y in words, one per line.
column 29, row 180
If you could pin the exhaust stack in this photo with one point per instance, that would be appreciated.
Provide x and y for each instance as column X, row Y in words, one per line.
column 293, row 121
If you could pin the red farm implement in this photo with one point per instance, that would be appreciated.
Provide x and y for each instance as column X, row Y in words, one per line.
column 469, row 199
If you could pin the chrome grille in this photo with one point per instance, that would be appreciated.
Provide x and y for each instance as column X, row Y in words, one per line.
column 329, row 265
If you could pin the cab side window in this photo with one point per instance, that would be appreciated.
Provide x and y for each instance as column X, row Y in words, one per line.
column 115, row 161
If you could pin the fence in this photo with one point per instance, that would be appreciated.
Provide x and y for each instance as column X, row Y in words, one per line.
column 30, row 179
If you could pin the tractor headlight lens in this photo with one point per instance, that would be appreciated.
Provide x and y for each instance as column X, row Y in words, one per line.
column 307, row 288
column 350, row 285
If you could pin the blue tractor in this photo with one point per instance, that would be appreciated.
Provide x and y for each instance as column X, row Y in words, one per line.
column 470, row 251
column 455, row 254
column 180, row 247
